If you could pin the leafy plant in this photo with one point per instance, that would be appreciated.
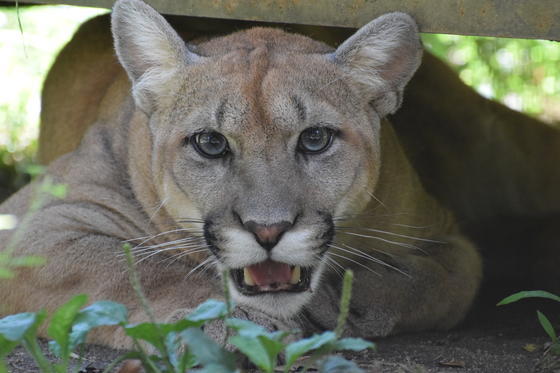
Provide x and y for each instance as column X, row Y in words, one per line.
column 68, row 328
column 181, row 346
column 543, row 320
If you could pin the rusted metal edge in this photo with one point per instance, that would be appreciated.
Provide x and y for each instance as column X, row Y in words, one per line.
column 532, row 19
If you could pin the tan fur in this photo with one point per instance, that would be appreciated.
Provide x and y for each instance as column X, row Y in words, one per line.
column 122, row 181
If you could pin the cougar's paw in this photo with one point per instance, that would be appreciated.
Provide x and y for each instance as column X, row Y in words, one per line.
column 217, row 330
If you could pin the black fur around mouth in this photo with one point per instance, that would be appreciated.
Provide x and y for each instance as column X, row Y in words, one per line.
column 304, row 284
column 210, row 238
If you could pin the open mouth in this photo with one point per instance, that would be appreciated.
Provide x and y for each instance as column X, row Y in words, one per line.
column 270, row 277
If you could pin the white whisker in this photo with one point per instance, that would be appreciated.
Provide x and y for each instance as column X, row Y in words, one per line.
column 355, row 262
column 401, row 244
column 393, row 234
column 157, row 209
column 359, row 253
column 148, row 238
column 208, row 261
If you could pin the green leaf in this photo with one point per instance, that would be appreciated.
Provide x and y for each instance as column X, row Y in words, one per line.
column 547, row 326
column 247, row 328
column 254, row 350
column 214, row 368
column 14, row 327
column 352, row 344
column 337, row 364
column 555, row 348
column 528, row 294
column 6, row 346
column 101, row 313
column 206, row 351
column 149, row 332
column 303, row 346
column 209, row 310
column 179, row 357
column 61, row 324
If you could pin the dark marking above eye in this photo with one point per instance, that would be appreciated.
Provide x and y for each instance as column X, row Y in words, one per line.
column 220, row 113
column 300, row 108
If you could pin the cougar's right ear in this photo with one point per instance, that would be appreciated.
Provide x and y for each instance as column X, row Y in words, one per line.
column 149, row 49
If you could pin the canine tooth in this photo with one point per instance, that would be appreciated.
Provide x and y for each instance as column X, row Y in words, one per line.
column 248, row 278
column 296, row 274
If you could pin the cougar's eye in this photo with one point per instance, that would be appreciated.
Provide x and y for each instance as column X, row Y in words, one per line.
column 315, row 139
column 210, row 144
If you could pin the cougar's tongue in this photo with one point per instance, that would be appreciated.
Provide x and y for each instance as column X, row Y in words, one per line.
column 270, row 272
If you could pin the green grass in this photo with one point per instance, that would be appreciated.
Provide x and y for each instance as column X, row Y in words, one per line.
column 543, row 320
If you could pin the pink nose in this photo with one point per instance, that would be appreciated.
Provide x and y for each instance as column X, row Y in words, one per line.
column 268, row 235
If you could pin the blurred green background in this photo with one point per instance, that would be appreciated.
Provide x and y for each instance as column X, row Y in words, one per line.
column 523, row 74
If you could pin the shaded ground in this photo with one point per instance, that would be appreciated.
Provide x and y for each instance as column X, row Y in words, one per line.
column 498, row 340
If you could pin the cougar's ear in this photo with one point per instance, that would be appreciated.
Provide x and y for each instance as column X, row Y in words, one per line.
column 149, row 49
column 380, row 58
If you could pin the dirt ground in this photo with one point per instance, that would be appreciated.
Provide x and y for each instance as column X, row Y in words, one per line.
column 493, row 339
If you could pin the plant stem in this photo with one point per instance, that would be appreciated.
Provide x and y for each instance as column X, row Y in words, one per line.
column 227, row 296
column 137, row 286
column 344, row 302
column 31, row 345
column 3, row 367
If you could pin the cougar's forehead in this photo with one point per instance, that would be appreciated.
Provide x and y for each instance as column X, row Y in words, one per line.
column 266, row 92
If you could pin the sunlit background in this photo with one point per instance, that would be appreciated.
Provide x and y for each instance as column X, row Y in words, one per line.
column 523, row 74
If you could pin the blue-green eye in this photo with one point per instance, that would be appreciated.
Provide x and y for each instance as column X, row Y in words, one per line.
column 315, row 140
column 210, row 144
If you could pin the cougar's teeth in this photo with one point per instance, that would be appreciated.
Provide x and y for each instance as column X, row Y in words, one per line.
column 247, row 277
column 296, row 275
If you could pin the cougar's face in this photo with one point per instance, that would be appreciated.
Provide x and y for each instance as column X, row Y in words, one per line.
column 268, row 151
column 265, row 137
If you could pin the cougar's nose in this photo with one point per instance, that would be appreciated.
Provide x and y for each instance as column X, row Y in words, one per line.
column 267, row 235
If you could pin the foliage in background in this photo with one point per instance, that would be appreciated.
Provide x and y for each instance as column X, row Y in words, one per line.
column 522, row 74
column 24, row 62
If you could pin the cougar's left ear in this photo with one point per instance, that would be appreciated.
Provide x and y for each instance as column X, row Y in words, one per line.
column 380, row 58
column 151, row 52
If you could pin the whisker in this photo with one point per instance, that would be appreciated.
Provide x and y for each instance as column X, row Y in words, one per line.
column 208, row 261
column 412, row 226
column 191, row 220
column 368, row 215
column 355, row 262
column 390, row 255
column 401, row 244
column 182, row 240
column 393, row 234
column 361, row 254
column 333, row 264
column 158, row 208
column 144, row 249
column 147, row 255
column 148, row 251
column 376, row 199
column 148, row 238
column 176, row 257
